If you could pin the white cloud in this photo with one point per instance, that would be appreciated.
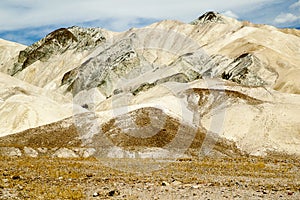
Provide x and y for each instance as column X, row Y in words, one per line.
column 229, row 13
column 17, row 14
column 286, row 18
column 295, row 5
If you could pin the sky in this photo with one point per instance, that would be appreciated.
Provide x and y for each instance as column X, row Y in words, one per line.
column 27, row 21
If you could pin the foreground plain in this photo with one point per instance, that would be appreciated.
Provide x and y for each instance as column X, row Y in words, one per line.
column 276, row 177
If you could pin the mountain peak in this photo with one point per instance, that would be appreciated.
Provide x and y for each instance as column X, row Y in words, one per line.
column 213, row 17
column 209, row 17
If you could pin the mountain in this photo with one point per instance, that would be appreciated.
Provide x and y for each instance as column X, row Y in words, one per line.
column 216, row 86
column 228, row 43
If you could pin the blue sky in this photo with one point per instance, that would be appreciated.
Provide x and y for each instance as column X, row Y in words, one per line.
column 26, row 21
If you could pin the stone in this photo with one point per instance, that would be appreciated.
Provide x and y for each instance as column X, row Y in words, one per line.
column 165, row 183
column 10, row 151
column 96, row 194
column 65, row 153
column 176, row 183
column 42, row 149
column 30, row 152
column 16, row 177
column 113, row 193
column 5, row 180
column 85, row 152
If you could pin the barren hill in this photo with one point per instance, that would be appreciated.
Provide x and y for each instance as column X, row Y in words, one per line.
column 216, row 83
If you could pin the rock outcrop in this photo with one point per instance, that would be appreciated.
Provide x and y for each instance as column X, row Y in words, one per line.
column 56, row 43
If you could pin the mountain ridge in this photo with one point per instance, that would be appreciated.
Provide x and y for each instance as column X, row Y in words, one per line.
column 207, row 73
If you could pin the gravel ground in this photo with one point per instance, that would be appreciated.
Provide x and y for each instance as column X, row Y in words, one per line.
column 208, row 178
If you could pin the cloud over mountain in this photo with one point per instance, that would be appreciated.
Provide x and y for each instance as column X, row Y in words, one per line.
column 119, row 15
column 286, row 18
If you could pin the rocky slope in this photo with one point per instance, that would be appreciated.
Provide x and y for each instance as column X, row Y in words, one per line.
column 8, row 54
column 24, row 106
column 217, row 85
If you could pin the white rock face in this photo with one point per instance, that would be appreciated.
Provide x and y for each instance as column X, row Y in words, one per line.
column 236, row 80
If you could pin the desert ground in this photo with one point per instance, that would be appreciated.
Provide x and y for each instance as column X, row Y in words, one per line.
column 275, row 177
